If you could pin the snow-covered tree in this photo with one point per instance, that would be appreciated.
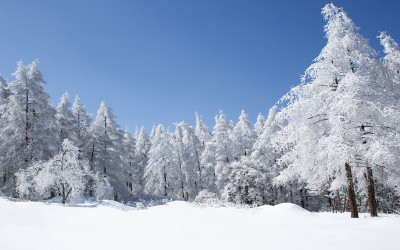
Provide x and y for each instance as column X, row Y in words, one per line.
column 65, row 118
column 201, row 131
column 330, row 111
column 141, row 156
column 80, row 128
column 242, row 137
column 152, row 133
column 30, row 130
column 207, row 164
column 65, row 175
column 106, row 152
column 128, row 159
column 187, row 146
column 245, row 184
column 162, row 174
column 259, row 126
column 223, row 150
column 265, row 155
column 392, row 56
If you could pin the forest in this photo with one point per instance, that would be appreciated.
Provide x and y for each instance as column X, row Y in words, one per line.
column 332, row 143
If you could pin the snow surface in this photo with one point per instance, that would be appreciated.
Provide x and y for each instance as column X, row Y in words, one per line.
column 181, row 225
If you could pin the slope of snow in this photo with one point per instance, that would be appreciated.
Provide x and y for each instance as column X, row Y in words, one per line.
column 181, row 225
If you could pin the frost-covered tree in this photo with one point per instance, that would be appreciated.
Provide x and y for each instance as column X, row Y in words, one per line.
column 30, row 132
column 392, row 57
column 128, row 159
column 265, row 155
column 201, row 131
column 65, row 175
column 153, row 133
column 223, row 150
column 328, row 114
column 162, row 175
column 204, row 164
column 259, row 126
column 142, row 148
column 65, row 118
column 207, row 164
column 106, row 152
column 242, row 137
column 187, row 146
column 245, row 184
column 80, row 128
column 4, row 93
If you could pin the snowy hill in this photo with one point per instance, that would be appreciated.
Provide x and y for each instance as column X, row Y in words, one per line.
column 181, row 225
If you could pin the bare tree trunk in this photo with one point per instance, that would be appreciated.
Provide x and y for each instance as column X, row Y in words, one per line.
column 350, row 190
column 371, row 193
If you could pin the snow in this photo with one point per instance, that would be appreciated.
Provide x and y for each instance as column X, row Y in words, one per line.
column 182, row 225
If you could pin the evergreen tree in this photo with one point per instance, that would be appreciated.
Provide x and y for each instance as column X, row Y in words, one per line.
column 106, row 152
column 259, row 126
column 223, row 150
column 242, row 137
column 162, row 175
column 81, row 126
column 128, row 158
column 65, row 118
column 141, row 157
column 30, row 130
column 187, row 146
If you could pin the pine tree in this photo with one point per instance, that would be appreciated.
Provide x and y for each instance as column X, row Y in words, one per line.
column 331, row 112
column 30, row 132
column 141, row 156
column 242, row 137
column 259, row 126
column 65, row 118
column 223, row 151
column 162, row 175
column 106, row 149
column 187, row 147
column 392, row 57
column 128, row 158
column 81, row 126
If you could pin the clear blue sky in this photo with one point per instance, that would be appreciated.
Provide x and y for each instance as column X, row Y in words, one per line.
column 160, row 61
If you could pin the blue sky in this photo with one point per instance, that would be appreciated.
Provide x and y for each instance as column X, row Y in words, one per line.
column 160, row 61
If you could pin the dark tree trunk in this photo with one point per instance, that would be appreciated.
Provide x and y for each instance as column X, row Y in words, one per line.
column 350, row 190
column 165, row 183
column 371, row 193
column 27, row 124
column 301, row 198
column 63, row 193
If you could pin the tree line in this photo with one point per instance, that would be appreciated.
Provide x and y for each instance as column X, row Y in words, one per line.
column 331, row 143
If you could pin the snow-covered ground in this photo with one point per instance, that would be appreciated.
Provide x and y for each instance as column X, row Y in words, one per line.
column 181, row 225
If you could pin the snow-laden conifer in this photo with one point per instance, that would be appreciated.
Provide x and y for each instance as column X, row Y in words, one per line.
column 30, row 132
column 65, row 118
column 242, row 137
column 162, row 174
column 106, row 152
column 258, row 127
column 142, row 148
column 187, row 146
column 223, row 150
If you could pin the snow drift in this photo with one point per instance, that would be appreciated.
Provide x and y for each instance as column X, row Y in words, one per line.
column 181, row 225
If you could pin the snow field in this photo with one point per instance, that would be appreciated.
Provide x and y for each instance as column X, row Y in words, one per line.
column 181, row 225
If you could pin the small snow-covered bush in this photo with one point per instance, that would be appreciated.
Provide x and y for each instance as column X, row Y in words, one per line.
column 64, row 175
column 207, row 198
